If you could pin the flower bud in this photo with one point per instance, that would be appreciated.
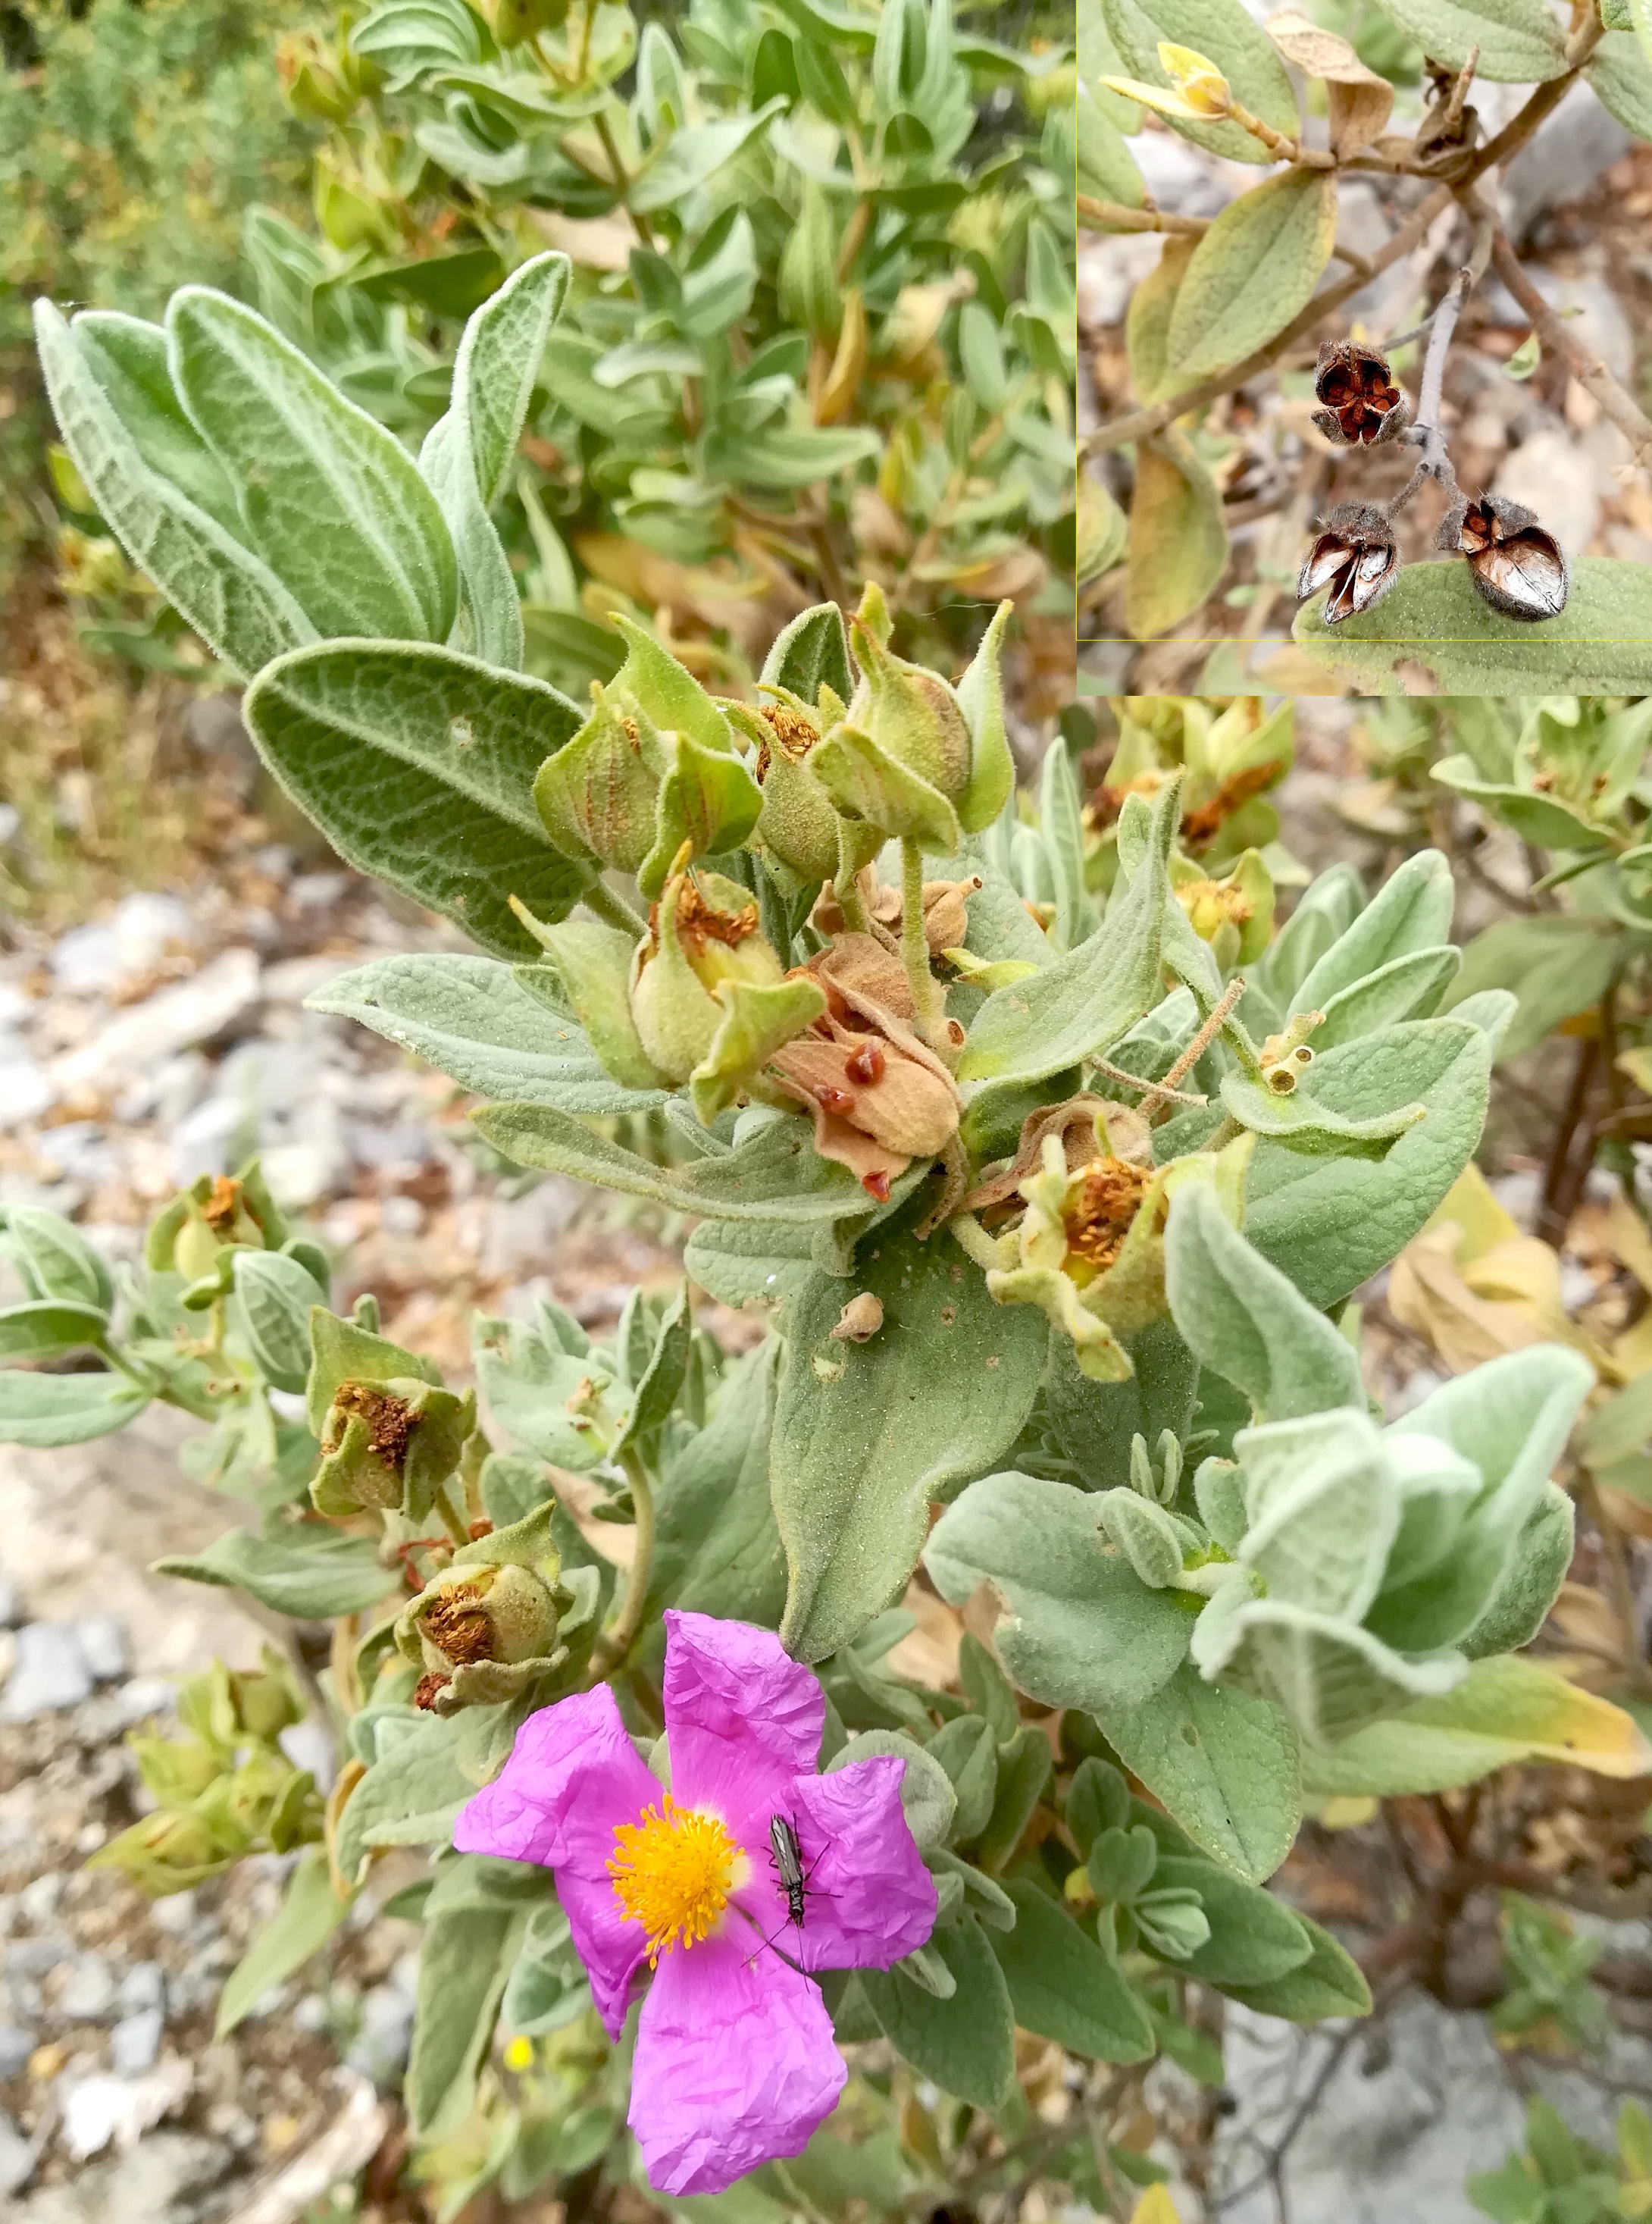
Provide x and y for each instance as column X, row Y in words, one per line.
column 1197, row 79
column 908, row 713
column 170, row 1851
column 1234, row 915
column 596, row 796
column 487, row 1626
column 390, row 1445
column 1354, row 555
column 1515, row 563
column 798, row 823
column 1361, row 404
column 215, row 1211
column 312, row 84
column 702, row 932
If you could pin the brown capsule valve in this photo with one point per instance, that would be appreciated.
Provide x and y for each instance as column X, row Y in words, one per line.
column 1354, row 555
column 1516, row 564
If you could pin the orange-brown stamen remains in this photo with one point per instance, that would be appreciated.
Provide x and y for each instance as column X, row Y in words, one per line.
column 1098, row 1218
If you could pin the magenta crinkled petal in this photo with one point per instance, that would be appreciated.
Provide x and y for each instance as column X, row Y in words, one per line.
column 742, row 1719
column 735, row 2066
column 870, row 1898
column 573, row 1773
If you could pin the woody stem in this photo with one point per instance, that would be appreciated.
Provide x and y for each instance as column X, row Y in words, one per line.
column 927, row 1001
column 614, row 1647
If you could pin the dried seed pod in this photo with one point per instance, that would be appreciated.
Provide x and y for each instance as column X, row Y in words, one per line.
column 1354, row 555
column 1516, row 564
column 1361, row 404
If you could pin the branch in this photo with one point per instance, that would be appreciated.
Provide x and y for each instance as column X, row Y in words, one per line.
column 1140, row 422
column 1589, row 370
column 1547, row 97
column 1112, row 216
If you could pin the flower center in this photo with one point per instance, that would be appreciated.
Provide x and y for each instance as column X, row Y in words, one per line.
column 673, row 1872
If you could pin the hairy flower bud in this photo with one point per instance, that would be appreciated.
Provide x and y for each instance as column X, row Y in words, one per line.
column 910, row 714
column 1516, row 564
column 702, row 932
column 798, row 823
column 312, row 84
column 596, row 796
column 170, row 1851
column 1354, row 555
column 1197, row 79
column 390, row 1445
column 1361, row 405
column 487, row 1626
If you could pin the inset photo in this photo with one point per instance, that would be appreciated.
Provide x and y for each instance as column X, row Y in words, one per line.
column 1365, row 315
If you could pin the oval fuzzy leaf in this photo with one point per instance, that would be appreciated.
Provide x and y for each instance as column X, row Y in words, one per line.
column 472, row 1019
column 333, row 502
column 867, row 1434
column 1223, row 31
column 1250, row 272
column 229, row 595
column 966, row 2043
column 1067, row 1985
column 1601, row 643
column 47, row 1327
column 309, row 1914
column 1556, row 963
column 1227, row 1766
column 66, row 1409
column 1080, row 1629
column 1330, row 1223
column 1147, row 320
column 308, row 1571
column 418, row 765
column 1518, row 41
column 1621, row 74
column 1177, row 549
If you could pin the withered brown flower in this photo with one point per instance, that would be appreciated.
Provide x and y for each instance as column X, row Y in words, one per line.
column 1361, row 404
column 1354, row 555
column 1516, row 564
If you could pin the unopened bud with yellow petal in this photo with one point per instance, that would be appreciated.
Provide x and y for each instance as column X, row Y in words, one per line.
column 1197, row 79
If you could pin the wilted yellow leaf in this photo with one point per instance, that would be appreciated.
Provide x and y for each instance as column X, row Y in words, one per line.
column 1506, row 1709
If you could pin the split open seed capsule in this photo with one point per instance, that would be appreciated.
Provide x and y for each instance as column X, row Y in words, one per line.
column 1515, row 563
column 1354, row 555
column 1361, row 404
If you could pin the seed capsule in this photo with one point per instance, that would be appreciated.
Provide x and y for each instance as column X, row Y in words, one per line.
column 1516, row 564
column 1354, row 555
column 1361, row 404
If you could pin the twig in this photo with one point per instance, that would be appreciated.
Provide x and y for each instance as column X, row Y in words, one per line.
column 1113, row 216
column 1155, row 1088
column 1434, row 463
column 1568, row 1166
column 612, row 1648
column 1589, row 370
column 1547, row 97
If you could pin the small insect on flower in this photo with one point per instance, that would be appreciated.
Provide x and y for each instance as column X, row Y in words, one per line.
column 787, row 1856
column 1360, row 403
column 1515, row 562
column 1354, row 555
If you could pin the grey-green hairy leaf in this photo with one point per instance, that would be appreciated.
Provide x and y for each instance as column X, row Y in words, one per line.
column 1066, row 1986
column 44, row 1410
column 865, row 1434
column 1251, row 272
column 1227, row 1766
column 1080, row 1628
column 474, row 1020
column 331, row 500
column 1518, row 41
column 418, row 764
column 308, row 1572
column 231, row 598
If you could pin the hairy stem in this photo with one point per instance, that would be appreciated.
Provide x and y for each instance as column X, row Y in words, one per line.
column 928, row 1003
column 612, row 910
column 453, row 1521
column 623, row 1636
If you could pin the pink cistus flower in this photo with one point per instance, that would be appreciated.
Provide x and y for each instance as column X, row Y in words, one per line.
column 736, row 2064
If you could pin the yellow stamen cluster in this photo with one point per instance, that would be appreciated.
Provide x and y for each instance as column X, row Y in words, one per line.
column 673, row 1872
